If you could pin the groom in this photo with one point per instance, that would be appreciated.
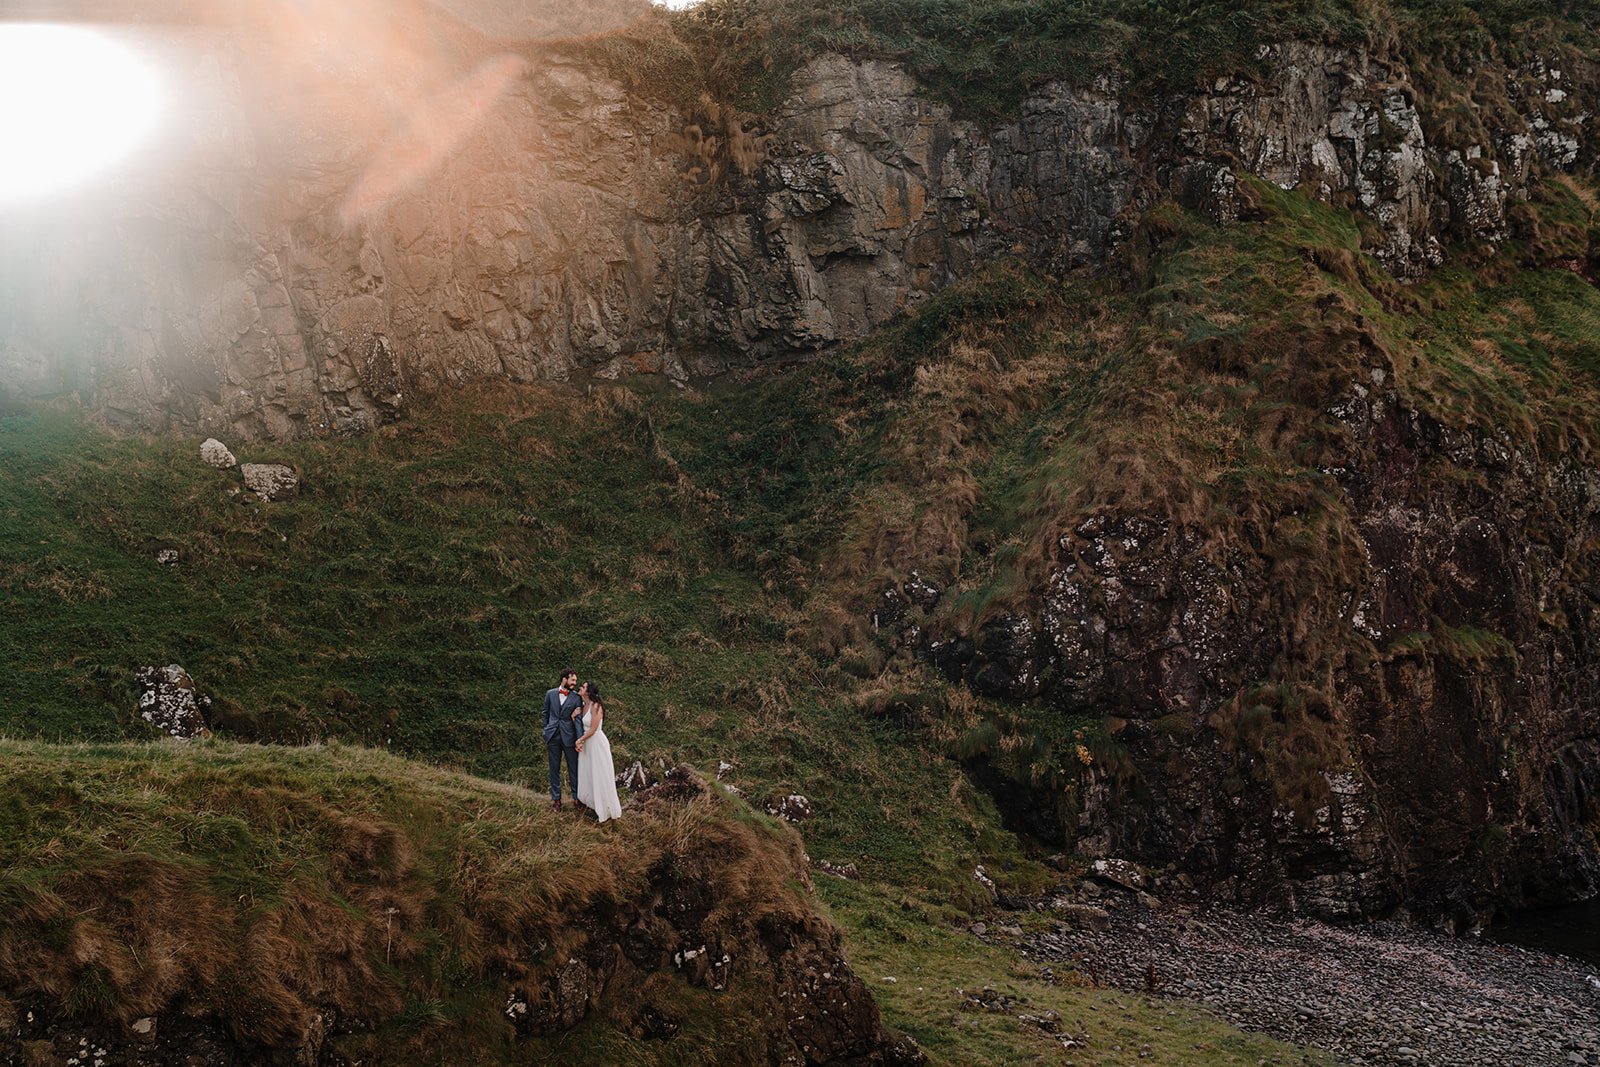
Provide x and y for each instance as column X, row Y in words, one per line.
column 561, row 735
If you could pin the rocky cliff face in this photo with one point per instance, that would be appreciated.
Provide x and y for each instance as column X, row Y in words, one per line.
column 1459, row 755
column 315, row 241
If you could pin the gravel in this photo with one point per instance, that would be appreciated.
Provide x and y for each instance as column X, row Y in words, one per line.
column 1388, row 993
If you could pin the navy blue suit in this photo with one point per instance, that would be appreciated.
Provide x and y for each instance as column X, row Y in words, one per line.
column 561, row 738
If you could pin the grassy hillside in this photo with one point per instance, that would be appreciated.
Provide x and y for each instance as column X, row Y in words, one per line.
column 433, row 579
column 715, row 561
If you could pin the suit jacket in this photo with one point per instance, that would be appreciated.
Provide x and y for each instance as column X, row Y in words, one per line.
column 558, row 725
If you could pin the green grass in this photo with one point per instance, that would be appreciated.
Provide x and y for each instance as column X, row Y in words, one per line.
column 431, row 581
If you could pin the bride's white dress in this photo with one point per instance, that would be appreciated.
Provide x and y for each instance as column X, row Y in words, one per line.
column 597, row 777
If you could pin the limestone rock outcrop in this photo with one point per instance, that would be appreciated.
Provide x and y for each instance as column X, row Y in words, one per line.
column 271, row 481
column 316, row 243
column 217, row 454
column 170, row 701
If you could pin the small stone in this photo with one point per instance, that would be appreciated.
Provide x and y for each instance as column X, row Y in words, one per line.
column 216, row 453
column 271, row 481
column 167, row 557
column 979, row 929
column 792, row 808
column 635, row 777
column 145, row 1026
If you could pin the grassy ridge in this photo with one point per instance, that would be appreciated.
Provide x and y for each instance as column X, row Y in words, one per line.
column 263, row 885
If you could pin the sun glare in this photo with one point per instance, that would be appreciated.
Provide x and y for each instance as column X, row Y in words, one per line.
column 73, row 102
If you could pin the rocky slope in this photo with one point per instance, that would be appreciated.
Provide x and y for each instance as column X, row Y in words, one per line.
column 1387, row 993
column 315, row 239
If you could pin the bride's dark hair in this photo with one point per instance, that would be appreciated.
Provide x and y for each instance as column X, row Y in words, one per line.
column 594, row 691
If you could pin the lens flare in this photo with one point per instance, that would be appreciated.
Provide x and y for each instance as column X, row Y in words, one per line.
column 73, row 103
column 435, row 131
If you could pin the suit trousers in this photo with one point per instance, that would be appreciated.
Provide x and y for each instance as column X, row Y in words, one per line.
column 556, row 749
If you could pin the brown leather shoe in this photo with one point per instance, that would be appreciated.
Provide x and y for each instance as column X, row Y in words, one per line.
column 555, row 805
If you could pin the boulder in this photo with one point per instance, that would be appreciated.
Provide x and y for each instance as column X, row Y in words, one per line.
column 217, row 454
column 1085, row 915
column 170, row 701
column 1117, row 872
column 792, row 808
column 271, row 481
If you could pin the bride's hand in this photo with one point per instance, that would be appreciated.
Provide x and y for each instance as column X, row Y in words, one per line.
column 580, row 746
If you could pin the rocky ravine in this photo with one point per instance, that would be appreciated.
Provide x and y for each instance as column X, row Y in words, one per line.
column 315, row 239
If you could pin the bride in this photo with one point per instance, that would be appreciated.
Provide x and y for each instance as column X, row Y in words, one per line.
column 597, row 778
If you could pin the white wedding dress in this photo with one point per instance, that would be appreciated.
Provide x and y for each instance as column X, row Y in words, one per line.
column 597, row 777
